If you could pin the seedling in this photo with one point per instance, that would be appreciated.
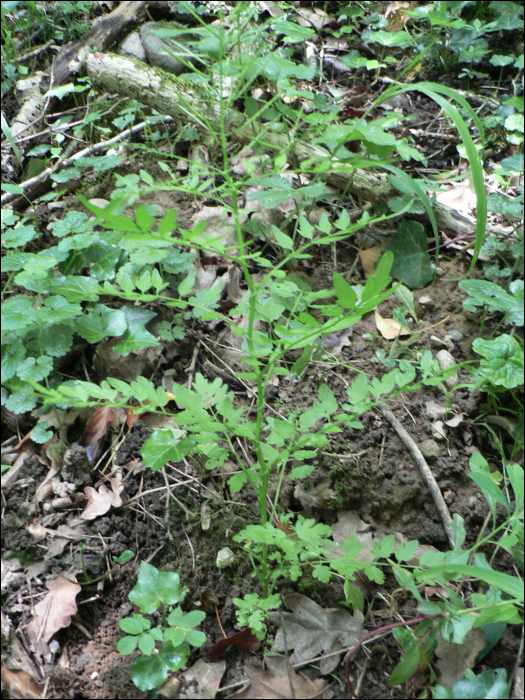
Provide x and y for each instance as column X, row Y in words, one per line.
column 153, row 589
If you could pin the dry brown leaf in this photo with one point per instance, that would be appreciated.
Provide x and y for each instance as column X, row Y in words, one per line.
column 389, row 328
column 335, row 342
column 461, row 196
column 312, row 630
column 456, row 420
column 58, row 539
column 370, row 256
column 201, row 681
column 276, row 684
column 99, row 502
column 454, row 659
column 11, row 475
column 244, row 640
column 316, row 17
column 349, row 523
column 316, row 497
column 396, row 17
column 55, row 610
column 437, row 591
column 20, row 684
column 207, row 600
column 95, row 430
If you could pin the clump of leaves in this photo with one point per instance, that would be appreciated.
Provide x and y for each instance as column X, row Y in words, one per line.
column 153, row 589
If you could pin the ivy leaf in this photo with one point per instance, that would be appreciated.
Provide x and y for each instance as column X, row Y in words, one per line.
column 135, row 338
column 101, row 321
column 56, row 309
column 74, row 288
column 18, row 237
column 409, row 246
column 56, row 339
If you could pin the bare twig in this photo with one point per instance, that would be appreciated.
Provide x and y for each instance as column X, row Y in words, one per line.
column 424, row 472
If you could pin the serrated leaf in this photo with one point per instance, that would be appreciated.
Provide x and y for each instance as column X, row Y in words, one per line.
column 282, row 239
column 346, row 296
column 503, row 360
column 35, row 369
column 20, row 402
column 164, row 446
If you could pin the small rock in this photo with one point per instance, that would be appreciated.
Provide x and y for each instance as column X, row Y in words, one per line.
column 434, row 411
column 100, row 203
column 436, row 342
column 446, row 361
column 225, row 557
column 429, row 449
column 438, row 430
column 132, row 46
column 456, row 336
column 426, row 301
column 440, row 271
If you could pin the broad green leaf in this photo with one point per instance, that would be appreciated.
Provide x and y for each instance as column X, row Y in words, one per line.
column 154, row 587
column 407, row 298
column 346, row 296
column 165, row 446
column 127, row 645
column 35, row 369
column 187, row 284
column 495, row 298
column 489, row 684
column 293, row 32
column 135, row 338
column 40, row 434
column 407, row 666
column 74, row 288
column 505, row 582
column 503, row 360
column 148, row 672
column 282, row 239
column 409, row 247
column 21, row 401
column 73, row 222
column 491, row 492
column 133, row 625
column 101, row 321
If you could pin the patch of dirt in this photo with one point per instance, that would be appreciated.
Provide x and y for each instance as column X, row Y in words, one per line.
column 380, row 483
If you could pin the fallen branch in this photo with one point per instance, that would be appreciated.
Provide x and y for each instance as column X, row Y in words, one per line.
column 424, row 472
column 176, row 96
